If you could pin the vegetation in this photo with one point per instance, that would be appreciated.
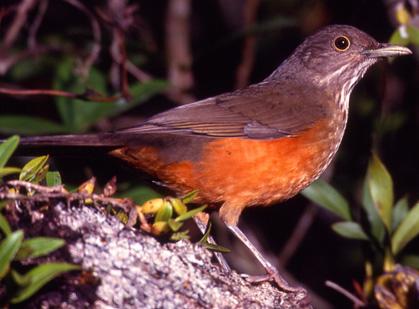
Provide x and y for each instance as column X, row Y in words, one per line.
column 14, row 246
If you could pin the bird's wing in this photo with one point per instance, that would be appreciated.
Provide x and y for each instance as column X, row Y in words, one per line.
column 261, row 111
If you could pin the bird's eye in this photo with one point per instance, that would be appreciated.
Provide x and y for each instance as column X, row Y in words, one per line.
column 341, row 43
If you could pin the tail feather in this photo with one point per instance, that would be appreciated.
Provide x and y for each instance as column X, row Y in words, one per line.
column 90, row 140
column 70, row 144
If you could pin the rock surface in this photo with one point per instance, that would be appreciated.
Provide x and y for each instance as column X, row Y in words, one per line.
column 135, row 270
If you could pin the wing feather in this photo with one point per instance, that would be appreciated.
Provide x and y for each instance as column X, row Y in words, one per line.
column 262, row 111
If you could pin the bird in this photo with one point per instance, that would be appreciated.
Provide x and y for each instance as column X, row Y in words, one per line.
column 256, row 146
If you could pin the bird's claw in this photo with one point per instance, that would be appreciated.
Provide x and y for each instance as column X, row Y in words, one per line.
column 272, row 277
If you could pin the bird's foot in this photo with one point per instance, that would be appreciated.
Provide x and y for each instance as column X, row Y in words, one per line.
column 273, row 275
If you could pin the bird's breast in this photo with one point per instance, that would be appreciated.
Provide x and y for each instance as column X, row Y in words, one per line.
column 266, row 171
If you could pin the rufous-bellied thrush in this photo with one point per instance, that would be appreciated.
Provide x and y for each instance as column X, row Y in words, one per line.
column 255, row 146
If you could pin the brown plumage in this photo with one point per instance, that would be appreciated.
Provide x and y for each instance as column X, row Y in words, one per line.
column 255, row 146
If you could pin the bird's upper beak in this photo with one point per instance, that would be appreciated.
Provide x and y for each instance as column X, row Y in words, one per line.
column 387, row 50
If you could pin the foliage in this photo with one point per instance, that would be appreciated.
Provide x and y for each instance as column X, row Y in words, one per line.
column 391, row 226
column 78, row 115
column 407, row 32
column 167, row 215
column 14, row 247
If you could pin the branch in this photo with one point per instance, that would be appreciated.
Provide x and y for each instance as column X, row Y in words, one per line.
column 43, row 5
column 97, row 35
column 179, row 56
column 88, row 95
column 248, row 55
column 18, row 22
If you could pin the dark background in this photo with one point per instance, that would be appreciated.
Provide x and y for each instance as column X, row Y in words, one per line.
column 383, row 116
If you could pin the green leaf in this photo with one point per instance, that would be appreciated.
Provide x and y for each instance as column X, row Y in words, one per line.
column 179, row 207
column 216, row 248
column 208, row 228
column 376, row 224
column 39, row 276
column 164, row 213
column 53, row 179
column 407, row 230
column 380, row 186
column 29, row 67
column 400, row 212
column 38, row 246
column 28, row 125
column 4, row 225
column 350, row 229
column 189, row 197
column 141, row 92
column 19, row 279
column 35, row 170
column 411, row 260
column 180, row 235
column 7, row 148
column 122, row 217
column 412, row 36
column 4, row 171
column 323, row 194
column 140, row 194
column 190, row 214
column 397, row 39
column 210, row 246
column 8, row 249
column 174, row 225
column 79, row 115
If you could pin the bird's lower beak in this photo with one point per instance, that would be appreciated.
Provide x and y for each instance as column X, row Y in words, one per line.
column 387, row 50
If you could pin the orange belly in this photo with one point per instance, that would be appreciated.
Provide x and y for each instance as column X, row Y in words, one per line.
column 242, row 172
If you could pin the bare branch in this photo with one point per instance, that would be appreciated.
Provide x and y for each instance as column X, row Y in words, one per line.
column 18, row 22
column 179, row 56
column 299, row 232
column 97, row 36
column 245, row 67
column 33, row 30
column 137, row 72
column 88, row 95
column 357, row 302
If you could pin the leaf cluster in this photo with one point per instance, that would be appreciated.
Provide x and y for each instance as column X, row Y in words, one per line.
column 390, row 225
column 14, row 247
column 160, row 216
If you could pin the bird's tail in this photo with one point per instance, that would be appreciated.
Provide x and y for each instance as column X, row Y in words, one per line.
column 69, row 144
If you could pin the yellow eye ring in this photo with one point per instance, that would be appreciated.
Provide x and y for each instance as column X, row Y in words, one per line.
column 341, row 43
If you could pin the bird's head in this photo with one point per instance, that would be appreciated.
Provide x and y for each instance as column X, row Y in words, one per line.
column 337, row 56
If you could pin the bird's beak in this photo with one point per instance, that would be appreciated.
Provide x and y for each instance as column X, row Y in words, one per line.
column 387, row 50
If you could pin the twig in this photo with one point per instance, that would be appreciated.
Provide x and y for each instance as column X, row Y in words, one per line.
column 43, row 4
column 357, row 302
column 179, row 56
column 97, row 35
column 36, row 187
column 120, row 57
column 119, row 17
column 299, row 232
column 89, row 95
column 43, row 194
column 137, row 72
column 18, row 22
column 246, row 65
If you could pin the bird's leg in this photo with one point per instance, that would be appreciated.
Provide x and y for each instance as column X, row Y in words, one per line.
column 272, row 273
column 201, row 221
